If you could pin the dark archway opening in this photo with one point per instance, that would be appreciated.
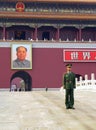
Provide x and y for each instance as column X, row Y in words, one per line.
column 20, row 35
column 45, row 36
column 25, row 76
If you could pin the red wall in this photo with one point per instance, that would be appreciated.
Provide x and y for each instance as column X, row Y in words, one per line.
column 47, row 67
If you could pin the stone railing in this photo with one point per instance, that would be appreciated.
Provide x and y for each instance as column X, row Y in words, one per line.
column 86, row 82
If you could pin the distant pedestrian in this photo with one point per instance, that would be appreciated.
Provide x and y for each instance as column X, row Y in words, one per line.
column 13, row 87
column 22, row 85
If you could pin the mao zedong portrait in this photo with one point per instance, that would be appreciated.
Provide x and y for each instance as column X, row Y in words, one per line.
column 21, row 61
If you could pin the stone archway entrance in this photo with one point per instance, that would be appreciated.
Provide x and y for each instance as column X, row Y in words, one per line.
column 25, row 77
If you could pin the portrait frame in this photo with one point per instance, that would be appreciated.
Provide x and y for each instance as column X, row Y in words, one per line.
column 28, row 58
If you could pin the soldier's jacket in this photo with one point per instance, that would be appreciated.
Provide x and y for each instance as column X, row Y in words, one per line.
column 69, row 80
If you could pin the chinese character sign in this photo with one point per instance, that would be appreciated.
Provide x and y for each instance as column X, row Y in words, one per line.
column 79, row 55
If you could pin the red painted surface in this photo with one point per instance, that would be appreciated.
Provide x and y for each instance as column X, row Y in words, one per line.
column 48, row 67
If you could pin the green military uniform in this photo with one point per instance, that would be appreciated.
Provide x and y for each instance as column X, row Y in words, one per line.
column 69, row 85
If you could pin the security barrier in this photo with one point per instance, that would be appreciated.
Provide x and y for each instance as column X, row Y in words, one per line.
column 86, row 82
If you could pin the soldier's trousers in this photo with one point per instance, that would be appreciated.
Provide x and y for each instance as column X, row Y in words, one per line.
column 69, row 97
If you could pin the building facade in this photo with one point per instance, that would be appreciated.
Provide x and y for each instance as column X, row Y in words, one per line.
column 52, row 28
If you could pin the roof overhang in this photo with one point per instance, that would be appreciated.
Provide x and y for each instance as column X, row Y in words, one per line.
column 55, row 1
column 43, row 15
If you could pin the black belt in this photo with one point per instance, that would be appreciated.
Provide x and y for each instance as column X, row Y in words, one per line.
column 70, row 81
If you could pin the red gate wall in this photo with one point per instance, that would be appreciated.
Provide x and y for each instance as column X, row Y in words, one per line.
column 47, row 67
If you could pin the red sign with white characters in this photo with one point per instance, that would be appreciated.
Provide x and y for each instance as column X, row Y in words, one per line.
column 75, row 55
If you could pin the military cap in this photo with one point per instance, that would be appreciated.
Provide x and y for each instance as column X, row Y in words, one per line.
column 68, row 65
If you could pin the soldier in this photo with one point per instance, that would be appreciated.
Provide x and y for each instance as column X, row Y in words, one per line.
column 69, row 85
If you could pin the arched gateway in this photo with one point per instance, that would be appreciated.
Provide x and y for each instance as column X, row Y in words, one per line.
column 25, row 77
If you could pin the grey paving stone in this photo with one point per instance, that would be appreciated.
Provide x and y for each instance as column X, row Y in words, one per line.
column 40, row 110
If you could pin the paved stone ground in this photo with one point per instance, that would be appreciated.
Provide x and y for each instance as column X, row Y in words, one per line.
column 41, row 110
